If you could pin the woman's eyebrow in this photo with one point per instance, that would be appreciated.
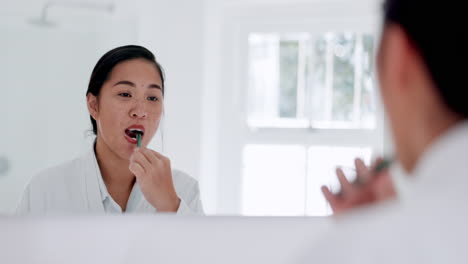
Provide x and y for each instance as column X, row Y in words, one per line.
column 125, row 83
column 153, row 85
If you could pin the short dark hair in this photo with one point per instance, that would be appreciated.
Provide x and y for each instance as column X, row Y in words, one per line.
column 109, row 60
column 438, row 31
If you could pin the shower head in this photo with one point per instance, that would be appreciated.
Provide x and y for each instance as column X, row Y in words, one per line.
column 41, row 22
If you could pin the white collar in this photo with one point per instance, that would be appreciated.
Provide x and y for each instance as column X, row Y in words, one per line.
column 102, row 186
column 443, row 166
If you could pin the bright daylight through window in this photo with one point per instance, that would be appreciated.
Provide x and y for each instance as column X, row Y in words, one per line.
column 311, row 83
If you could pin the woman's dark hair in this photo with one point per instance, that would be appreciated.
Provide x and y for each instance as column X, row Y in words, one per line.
column 106, row 64
column 437, row 28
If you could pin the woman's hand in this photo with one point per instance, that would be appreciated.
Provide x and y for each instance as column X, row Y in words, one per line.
column 153, row 174
column 368, row 188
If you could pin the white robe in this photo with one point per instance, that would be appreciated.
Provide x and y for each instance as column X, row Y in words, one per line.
column 76, row 187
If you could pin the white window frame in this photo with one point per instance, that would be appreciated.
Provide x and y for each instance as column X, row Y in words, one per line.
column 234, row 133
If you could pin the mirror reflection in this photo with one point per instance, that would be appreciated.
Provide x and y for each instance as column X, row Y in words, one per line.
column 109, row 108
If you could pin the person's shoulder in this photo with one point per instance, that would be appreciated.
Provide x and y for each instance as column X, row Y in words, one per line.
column 188, row 191
column 183, row 181
column 355, row 235
column 59, row 173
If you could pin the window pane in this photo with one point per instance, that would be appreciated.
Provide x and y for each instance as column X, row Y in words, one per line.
column 273, row 181
column 340, row 81
column 368, row 103
column 316, row 82
column 263, row 76
column 273, row 92
column 289, row 55
column 343, row 46
column 322, row 163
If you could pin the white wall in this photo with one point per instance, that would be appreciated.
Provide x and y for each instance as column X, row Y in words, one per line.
column 45, row 73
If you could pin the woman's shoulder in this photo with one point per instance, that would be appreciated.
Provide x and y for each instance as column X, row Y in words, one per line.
column 60, row 173
column 55, row 189
column 183, row 181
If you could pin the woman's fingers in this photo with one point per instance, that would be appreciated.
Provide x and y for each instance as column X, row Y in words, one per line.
column 152, row 156
column 362, row 171
column 152, row 162
column 140, row 157
column 369, row 189
column 346, row 187
column 147, row 154
column 332, row 199
column 159, row 156
column 136, row 169
column 160, row 159
column 154, row 176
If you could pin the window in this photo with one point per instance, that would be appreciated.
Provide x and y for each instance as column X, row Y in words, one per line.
column 310, row 102
column 305, row 80
column 297, row 98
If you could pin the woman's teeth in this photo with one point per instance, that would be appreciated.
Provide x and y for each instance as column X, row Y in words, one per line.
column 133, row 133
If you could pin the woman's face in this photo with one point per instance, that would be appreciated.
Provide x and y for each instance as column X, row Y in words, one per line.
column 131, row 99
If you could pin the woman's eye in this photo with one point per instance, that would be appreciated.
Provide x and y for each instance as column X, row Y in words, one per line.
column 124, row 94
column 153, row 98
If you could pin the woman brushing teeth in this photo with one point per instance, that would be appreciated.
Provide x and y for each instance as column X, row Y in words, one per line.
column 125, row 99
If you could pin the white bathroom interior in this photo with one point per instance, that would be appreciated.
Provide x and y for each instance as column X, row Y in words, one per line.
column 264, row 98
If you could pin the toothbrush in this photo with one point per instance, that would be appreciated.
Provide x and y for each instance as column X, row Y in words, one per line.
column 139, row 139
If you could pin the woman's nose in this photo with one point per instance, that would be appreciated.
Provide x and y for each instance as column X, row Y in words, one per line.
column 139, row 112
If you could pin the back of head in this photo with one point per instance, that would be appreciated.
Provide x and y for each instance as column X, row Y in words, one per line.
column 437, row 29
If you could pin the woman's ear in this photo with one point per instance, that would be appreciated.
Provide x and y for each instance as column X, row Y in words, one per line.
column 93, row 106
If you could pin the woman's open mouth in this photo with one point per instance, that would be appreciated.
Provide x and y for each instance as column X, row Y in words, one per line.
column 131, row 133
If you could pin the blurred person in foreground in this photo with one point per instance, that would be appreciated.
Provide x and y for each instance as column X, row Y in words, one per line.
column 421, row 67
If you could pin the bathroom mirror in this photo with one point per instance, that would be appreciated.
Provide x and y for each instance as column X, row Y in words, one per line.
column 264, row 99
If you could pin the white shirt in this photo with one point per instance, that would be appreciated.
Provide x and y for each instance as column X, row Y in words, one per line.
column 111, row 207
column 429, row 226
column 77, row 187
